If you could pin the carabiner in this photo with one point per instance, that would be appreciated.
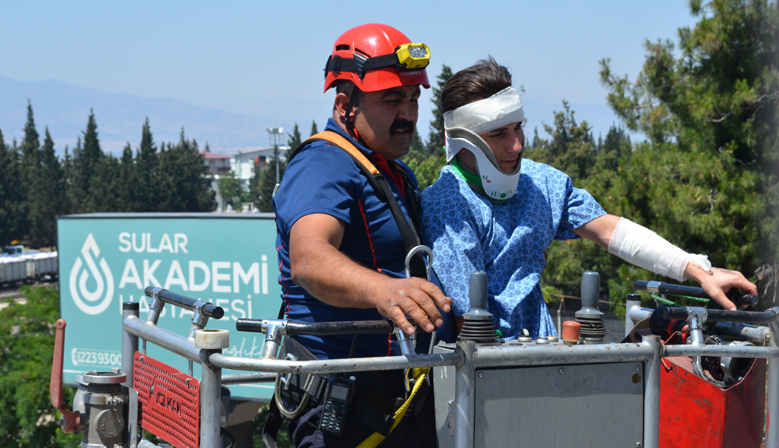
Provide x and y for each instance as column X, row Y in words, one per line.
column 428, row 264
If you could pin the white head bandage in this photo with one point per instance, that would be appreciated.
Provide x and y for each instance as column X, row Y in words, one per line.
column 463, row 126
column 490, row 113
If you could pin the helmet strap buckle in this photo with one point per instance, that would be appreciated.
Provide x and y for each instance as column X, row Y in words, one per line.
column 335, row 64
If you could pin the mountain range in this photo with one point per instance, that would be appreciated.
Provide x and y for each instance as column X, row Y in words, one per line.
column 65, row 108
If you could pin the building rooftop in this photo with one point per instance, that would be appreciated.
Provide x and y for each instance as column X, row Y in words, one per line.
column 211, row 155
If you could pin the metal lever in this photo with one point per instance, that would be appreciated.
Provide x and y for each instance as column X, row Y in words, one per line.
column 695, row 319
column 738, row 297
column 70, row 420
column 406, row 343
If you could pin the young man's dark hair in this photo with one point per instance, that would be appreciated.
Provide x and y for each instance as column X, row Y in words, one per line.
column 480, row 81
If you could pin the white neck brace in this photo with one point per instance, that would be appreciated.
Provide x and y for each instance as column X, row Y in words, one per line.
column 463, row 126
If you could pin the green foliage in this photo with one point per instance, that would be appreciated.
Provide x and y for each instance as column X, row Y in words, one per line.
column 706, row 179
column 11, row 194
column 551, row 294
column 436, row 139
column 282, row 440
column 264, row 187
column 314, row 129
column 36, row 186
column 52, row 190
column 30, row 177
column 27, row 418
column 425, row 168
column 571, row 148
column 230, row 189
column 143, row 195
column 426, row 161
column 294, row 140
column 713, row 109
column 182, row 186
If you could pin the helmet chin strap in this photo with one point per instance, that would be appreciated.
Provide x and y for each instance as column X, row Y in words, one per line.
column 349, row 106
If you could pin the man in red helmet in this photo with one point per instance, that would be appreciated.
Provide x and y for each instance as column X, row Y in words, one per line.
column 342, row 241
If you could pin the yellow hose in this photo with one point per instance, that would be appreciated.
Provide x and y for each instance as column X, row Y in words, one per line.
column 375, row 439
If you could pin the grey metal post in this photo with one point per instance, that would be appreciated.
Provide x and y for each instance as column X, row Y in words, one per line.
column 210, row 403
column 772, row 392
column 631, row 301
column 129, row 342
column 272, row 342
column 129, row 347
column 464, row 397
column 652, row 394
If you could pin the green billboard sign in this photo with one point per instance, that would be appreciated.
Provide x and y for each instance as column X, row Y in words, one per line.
column 107, row 259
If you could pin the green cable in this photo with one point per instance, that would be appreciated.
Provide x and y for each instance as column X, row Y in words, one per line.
column 668, row 302
column 663, row 300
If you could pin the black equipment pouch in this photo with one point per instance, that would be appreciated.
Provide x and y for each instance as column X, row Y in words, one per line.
column 314, row 385
column 297, row 384
column 293, row 389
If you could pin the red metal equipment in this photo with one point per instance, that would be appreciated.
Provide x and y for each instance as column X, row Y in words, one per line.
column 70, row 420
column 168, row 401
column 696, row 413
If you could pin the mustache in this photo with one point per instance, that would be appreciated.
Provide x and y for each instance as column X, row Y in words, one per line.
column 402, row 125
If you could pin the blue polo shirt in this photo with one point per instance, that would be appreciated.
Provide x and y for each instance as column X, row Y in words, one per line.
column 323, row 179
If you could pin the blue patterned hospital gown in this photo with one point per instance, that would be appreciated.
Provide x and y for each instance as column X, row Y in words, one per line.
column 469, row 233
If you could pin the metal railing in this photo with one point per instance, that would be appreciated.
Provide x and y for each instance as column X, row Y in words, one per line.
column 466, row 358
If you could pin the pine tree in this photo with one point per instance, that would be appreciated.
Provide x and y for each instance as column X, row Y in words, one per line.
column 183, row 188
column 32, row 208
column 706, row 180
column 417, row 145
column 78, row 183
column 314, row 130
column 436, row 140
column 98, row 179
column 254, row 184
column 719, row 99
column 294, row 139
column 571, row 148
column 267, row 184
column 147, row 162
column 107, row 189
column 126, row 189
column 52, row 189
column 11, row 194
column 536, row 141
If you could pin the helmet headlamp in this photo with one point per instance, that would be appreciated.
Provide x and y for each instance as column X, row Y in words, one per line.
column 412, row 56
column 405, row 57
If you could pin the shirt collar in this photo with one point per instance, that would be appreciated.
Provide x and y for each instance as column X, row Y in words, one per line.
column 333, row 126
column 380, row 161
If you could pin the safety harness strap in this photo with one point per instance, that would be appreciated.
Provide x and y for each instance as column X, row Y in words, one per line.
column 272, row 425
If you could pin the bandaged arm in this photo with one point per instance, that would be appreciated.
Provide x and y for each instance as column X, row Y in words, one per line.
column 646, row 249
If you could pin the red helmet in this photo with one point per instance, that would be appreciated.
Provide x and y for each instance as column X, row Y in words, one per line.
column 377, row 57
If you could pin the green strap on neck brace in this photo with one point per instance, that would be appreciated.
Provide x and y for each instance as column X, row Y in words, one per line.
column 473, row 180
column 466, row 174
